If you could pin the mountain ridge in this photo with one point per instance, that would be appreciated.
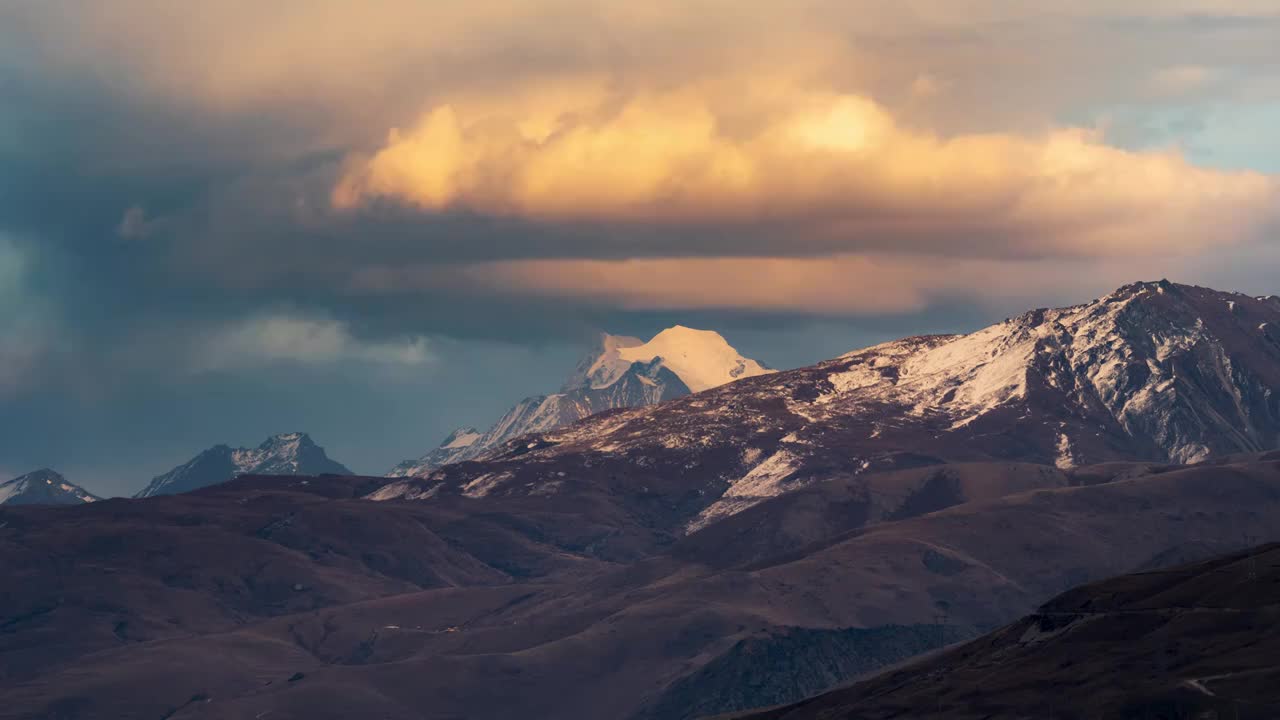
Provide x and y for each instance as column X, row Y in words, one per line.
column 292, row 453
column 619, row 372
column 1152, row 372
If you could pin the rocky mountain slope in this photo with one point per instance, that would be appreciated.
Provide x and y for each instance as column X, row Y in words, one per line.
column 1195, row 641
column 1154, row 371
column 620, row 372
column 43, row 487
column 469, row 607
column 284, row 454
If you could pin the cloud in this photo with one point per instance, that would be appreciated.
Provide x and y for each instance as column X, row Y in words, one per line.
column 363, row 63
column 297, row 340
column 314, row 148
column 846, row 284
column 838, row 170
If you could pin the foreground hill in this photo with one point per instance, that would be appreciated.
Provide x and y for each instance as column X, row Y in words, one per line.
column 131, row 572
column 284, row 454
column 620, row 372
column 1154, row 371
column 43, row 487
column 469, row 607
column 1197, row 641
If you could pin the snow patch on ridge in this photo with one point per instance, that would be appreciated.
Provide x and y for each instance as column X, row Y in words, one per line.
column 403, row 490
column 484, row 484
column 856, row 377
column 977, row 372
column 764, row 481
column 463, row 438
column 1065, row 460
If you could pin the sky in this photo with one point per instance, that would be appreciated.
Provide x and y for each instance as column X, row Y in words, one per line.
column 376, row 222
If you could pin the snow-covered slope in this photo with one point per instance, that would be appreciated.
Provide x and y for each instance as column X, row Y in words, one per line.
column 1183, row 372
column 284, row 454
column 1154, row 371
column 43, row 487
column 603, row 365
column 458, row 446
column 701, row 358
column 620, row 372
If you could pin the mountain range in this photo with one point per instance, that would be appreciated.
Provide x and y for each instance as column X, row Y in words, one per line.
column 620, row 372
column 43, row 487
column 1152, row 372
column 285, row 454
column 747, row 544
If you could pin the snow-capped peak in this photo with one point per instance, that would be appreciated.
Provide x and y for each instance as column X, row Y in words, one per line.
column 620, row 372
column 700, row 358
column 43, row 487
column 277, row 454
column 284, row 454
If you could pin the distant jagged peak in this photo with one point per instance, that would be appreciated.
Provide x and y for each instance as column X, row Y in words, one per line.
column 287, row 453
column 280, row 450
column 43, row 487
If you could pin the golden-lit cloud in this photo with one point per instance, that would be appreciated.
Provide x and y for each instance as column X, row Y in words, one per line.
column 837, row 168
